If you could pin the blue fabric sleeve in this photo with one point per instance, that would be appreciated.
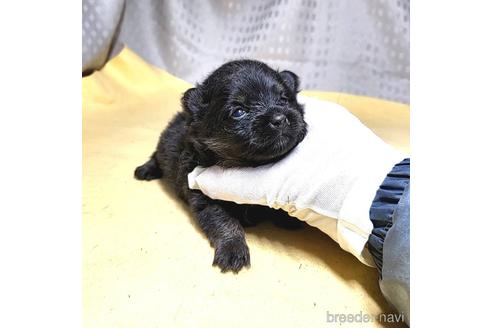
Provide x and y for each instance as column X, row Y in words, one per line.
column 389, row 242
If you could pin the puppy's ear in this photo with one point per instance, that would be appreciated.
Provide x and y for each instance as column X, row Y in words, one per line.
column 291, row 80
column 192, row 101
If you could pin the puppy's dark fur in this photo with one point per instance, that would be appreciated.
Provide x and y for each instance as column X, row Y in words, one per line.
column 243, row 114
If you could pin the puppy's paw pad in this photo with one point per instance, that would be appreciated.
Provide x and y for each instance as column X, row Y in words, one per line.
column 232, row 255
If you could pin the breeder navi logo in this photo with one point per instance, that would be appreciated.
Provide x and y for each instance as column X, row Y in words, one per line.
column 363, row 317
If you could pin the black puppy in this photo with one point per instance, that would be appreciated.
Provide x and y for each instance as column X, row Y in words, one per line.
column 243, row 114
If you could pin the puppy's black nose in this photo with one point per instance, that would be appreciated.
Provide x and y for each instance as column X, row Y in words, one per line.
column 279, row 120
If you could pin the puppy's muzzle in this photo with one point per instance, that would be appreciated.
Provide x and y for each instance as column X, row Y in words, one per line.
column 279, row 121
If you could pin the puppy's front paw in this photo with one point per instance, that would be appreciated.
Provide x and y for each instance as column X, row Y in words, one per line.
column 148, row 171
column 231, row 255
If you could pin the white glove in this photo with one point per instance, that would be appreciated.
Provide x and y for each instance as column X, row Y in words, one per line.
column 329, row 180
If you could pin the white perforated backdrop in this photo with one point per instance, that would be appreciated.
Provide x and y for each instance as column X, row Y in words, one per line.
column 354, row 46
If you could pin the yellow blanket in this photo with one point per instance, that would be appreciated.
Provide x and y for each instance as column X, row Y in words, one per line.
column 147, row 264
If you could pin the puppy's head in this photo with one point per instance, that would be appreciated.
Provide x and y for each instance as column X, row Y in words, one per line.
column 245, row 114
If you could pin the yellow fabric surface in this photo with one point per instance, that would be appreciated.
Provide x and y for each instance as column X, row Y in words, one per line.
column 147, row 264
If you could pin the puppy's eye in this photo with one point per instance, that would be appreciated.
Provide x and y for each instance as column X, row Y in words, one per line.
column 238, row 113
column 284, row 99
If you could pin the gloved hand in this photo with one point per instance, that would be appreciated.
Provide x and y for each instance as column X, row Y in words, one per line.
column 329, row 180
